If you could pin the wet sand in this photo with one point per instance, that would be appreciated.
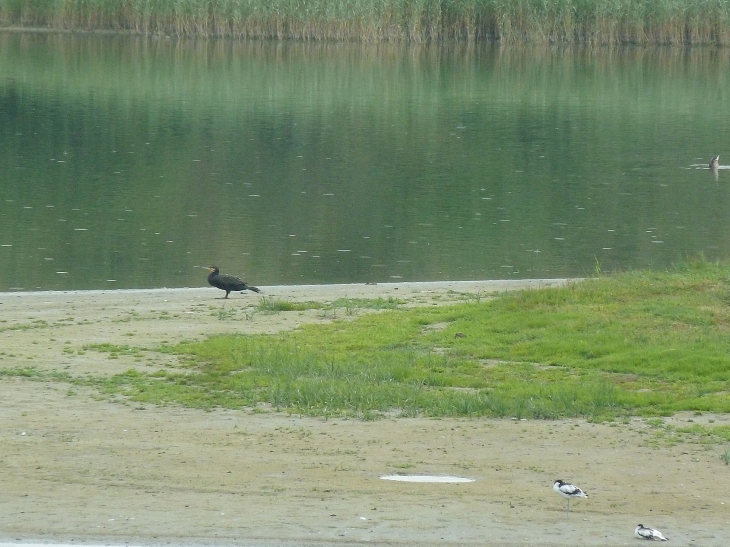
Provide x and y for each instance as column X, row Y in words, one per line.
column 76, row 467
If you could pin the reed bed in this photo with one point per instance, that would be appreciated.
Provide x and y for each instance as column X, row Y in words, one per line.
column 509, row 21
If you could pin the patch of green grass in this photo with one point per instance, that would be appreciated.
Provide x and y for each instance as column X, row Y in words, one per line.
column 33, row 373
column 26, row 372
column 114, row 350
column 648, row 343
column 710, row 434
column 224, row 313
column 663, row 434
column 349, row 304
column 272, row 305
column 37, row 324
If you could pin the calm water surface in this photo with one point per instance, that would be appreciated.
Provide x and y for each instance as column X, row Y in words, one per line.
column 132, row 162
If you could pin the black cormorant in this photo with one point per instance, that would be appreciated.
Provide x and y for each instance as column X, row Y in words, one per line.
column 227, row 282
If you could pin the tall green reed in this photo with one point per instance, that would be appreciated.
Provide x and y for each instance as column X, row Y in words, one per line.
column 559, row 21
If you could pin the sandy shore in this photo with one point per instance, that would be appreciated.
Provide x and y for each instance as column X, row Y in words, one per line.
column 78, row 468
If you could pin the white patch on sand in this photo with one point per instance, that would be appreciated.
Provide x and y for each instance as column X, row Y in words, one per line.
column 425, row 478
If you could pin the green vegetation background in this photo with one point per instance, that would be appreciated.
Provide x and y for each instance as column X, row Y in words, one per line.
column 568, row 21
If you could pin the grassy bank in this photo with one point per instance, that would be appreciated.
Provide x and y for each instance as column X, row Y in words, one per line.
column 569, row 21
column 637, row 343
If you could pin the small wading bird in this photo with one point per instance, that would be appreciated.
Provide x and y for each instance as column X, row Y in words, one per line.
column 227, row 282
column 568, row 491
column 644, row 532
column 715, row 163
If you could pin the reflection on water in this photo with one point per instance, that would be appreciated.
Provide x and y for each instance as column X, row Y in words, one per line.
column 132, row 162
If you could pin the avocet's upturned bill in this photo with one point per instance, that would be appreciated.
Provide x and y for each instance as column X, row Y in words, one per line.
column 644, row 532
column 568, row 491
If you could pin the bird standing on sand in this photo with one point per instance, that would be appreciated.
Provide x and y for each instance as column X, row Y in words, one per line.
column 568, row 491
column 644, row 532
column 227, row 282
column 715, row 163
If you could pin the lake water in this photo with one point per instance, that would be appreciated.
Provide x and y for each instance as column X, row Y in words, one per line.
column 131, row 162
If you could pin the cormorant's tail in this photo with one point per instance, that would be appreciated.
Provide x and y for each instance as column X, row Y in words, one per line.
column 254, row 289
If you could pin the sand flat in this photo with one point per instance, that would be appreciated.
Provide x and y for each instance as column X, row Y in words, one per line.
column 78, row 468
